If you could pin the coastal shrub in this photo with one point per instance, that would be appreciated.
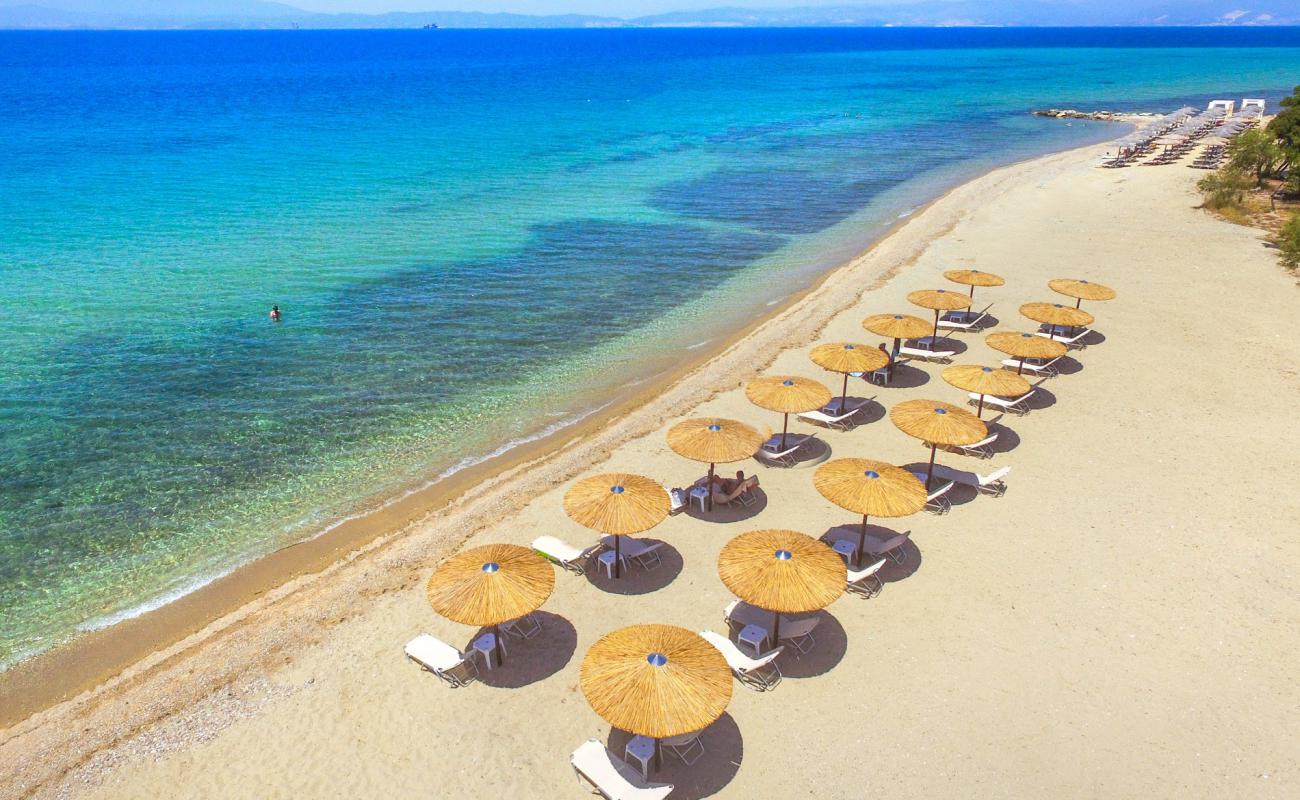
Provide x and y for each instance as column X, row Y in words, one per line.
column 1224, row 189
column 1285, row 127
column 1288, row 241
column 1255, row 152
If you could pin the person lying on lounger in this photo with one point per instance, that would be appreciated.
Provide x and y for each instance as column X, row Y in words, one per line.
column 726, row 490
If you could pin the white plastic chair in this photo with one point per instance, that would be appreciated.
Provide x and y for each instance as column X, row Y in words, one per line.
column 685, row 746
column 441, row 659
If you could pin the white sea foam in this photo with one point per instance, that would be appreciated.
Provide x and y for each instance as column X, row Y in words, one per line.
column 98, row 623
column 698, row 345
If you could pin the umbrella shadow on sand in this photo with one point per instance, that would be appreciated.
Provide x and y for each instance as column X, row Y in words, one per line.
column 907, row 376
column 959, row 495
column 829, row 645
column 892, row 572
column 1041, row 398
column 531, row 660
column 635, row 578
column 724, row 749
column 1068, row 365
column 735, row 512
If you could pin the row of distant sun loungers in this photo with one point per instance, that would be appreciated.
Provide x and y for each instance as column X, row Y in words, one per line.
column 1189, row 129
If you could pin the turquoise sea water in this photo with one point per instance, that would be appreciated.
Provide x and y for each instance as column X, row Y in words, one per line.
column 475, row 236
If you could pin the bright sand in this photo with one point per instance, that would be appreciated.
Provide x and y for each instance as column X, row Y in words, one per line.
column 1123, row 622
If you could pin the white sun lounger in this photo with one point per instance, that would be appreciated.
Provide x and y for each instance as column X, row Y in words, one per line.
column 1068, row 341
column 1013, row 404
column 771, row 452
column 941, row 356
column 441, row 659
column 1045, row 369
column 865, row 582
column 613, row 778
column 759, row 674
column 560, row 552
column 979, row 449
column 991, row 484
column 831, row 417
column 936, row 502
column 963, row 320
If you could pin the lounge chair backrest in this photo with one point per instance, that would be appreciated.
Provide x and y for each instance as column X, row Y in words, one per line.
column 799, row 627
column 995, row 475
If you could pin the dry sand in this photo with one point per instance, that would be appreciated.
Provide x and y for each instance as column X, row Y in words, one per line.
column 1123, row 622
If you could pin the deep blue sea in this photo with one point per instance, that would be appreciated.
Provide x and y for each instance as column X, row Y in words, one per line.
column 474, row 236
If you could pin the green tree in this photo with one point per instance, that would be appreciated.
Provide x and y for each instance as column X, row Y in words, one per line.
column 1224, row 188
column 1255, row 152
column 1285, row 128
column 1288, row 241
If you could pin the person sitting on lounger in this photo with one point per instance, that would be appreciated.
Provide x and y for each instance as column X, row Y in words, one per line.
column 726, row 491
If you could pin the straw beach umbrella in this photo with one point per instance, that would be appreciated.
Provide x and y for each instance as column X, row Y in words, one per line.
column 870, row 488
column 1056, row 315
column 973, row 278
column 486, row 586
column 656, row 680
column 897, row 327
column 617, row 503
column 787, row 394
column 781, row 571
column 847, row 357
column 1022, row 346
column 936, row 423
column 984, row 381
column 939, row 300
column 1081, row 290
column 713, row 441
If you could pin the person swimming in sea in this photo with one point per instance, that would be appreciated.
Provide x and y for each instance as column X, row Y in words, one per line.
column 275, row 313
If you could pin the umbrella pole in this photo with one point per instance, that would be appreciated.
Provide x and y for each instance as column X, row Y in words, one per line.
column 862, row 543
column 894, row 358
column 979, row 410
column 972, row 291
column 844, row 394
column 785, row 426
column 930, row 472
column 618, row 571
column 935, row 338
column 1078, row 303
column 496, row 642
column 1020, row 368
column 776, row 629
column 710, row 485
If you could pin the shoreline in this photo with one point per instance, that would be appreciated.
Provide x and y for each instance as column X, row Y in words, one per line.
column 27, row 687
column 1028, row 592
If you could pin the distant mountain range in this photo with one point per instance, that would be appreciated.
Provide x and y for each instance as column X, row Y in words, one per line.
column 54, row 14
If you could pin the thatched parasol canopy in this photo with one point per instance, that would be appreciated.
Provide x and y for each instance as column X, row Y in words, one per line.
column 986, row 380
column 1057, row 314
column 868, row 487
column 491, row 584
column 713, row 440
column 973, row 277
column 847, row 357
column 937, row 422
column 656, row 680
column 782, row 571
column 1024, row 345
column 617, row 503
column 896, row 326
column 939, row 299
column 1081, row 289
column 787, row 394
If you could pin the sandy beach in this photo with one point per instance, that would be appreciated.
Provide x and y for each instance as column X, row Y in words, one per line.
column 1122, row 622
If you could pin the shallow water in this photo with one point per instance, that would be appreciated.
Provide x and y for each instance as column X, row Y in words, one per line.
column 471, row 234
